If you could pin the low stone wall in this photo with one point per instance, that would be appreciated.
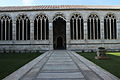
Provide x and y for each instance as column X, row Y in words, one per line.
column 93, row 47
column 87, row 47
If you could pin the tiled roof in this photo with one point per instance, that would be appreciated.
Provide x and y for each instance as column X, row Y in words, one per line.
column 48, row 7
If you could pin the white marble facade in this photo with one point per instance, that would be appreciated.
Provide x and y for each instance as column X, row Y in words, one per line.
column 42, row 45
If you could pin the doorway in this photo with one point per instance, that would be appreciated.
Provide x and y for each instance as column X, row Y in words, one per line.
column 59, row 33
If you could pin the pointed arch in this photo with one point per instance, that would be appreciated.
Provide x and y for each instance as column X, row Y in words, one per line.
column 59, row 29
column 22, row 27
column 5, row 28
column 76, row 27
column 59, row 15
column 41, row 27
column 110, row 26
column 93, row 24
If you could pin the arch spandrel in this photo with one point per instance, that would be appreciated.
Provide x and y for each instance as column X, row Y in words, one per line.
column 76, row 13
column 110, row 16
column 93, row 14
column 41, row 14
column 22, row 16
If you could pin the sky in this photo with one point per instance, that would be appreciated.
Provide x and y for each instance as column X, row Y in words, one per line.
column 57, row 2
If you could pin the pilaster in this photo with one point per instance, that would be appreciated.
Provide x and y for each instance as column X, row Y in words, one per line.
column 14, row 30
column 67, row 34
column 118, row 29
column 102, row 29
column 50, row 35
column 31, row 30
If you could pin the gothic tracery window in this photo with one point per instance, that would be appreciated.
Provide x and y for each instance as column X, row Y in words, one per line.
column 93, row 24
column 77, row 27
column 110, row 27
column 23, row 28
column 5, row 28
column 41, row 28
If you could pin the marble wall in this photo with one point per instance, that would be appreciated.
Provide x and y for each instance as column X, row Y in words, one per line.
column 42, row 45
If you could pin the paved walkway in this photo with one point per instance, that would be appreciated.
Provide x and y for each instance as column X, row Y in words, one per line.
column 66, row 65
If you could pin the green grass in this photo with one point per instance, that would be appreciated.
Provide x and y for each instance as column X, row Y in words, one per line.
column 11, row 62
column 112, row 65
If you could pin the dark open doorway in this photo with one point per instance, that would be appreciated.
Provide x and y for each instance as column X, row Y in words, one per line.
column 59, row 33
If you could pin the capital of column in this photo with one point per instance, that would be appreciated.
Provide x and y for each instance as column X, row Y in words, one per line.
column 67, row 21
column 31, row 21
column 50, row 24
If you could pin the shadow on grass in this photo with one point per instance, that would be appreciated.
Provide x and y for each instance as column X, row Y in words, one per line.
column 10, row 62
column 112, row 65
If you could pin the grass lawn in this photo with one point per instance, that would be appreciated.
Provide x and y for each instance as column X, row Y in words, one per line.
column 11, row 62
column 112, row 65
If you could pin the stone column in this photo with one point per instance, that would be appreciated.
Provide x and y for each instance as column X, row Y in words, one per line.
column 106, row 28
column 90, row 29
column 5, row 28
column 45, row 28
column 97, row 22
column 67, row 34
column 1, row 30
column 110, row 28
column 19, row 29
column 26, row 29
column 73, row 29
column 113, row 29
column 8, row 29
column 94, row 28
column 80, row 29
column 23, row 29
column 41, row 28
column 50, row 35
column 37, row 29
column 31, row 30
column 85, row 30
column 76, row 29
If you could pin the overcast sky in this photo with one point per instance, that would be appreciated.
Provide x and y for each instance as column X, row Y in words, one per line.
column 57, row 2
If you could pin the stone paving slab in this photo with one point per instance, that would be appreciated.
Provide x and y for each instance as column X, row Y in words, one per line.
column 60, row 62
column 61, row 71
column 58, row 79
column 59, row 66
column 61, row 75
column 59, row 58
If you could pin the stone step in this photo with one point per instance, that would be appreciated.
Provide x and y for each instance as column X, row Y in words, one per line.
column 61, row 71
column 61, row 75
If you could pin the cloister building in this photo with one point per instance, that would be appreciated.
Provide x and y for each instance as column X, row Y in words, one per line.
column 69, row 27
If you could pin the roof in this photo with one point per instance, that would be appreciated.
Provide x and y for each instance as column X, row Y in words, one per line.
column 49, row 7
